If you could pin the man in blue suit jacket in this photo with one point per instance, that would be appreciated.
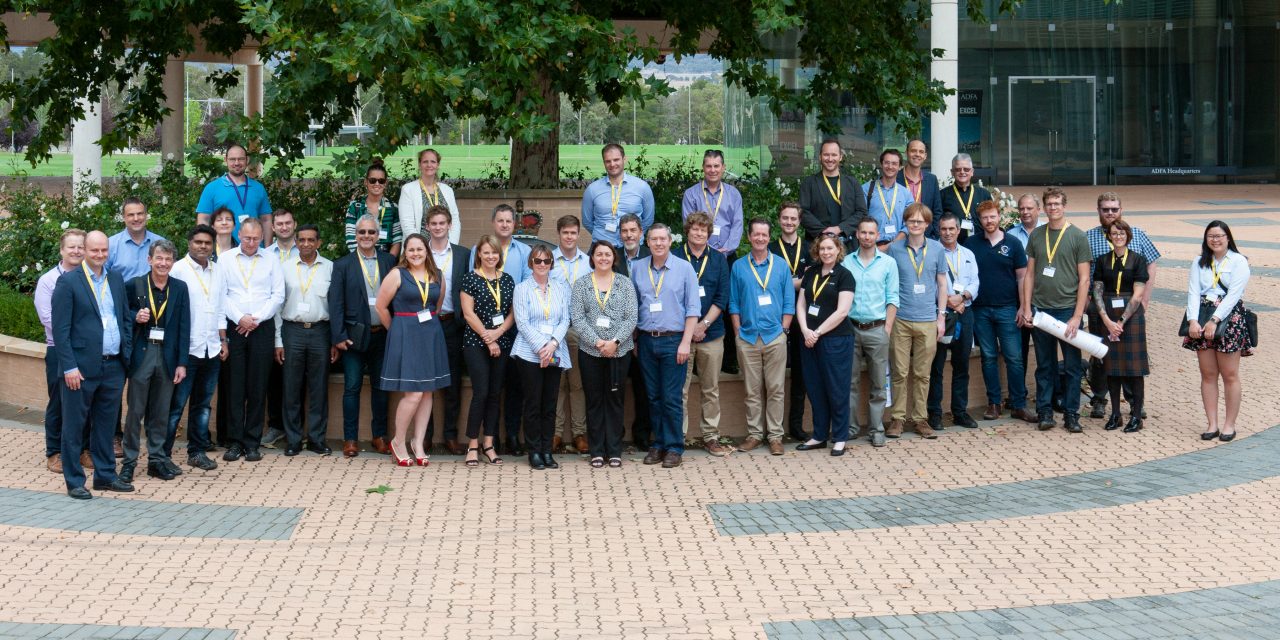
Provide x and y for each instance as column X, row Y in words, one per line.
column 160, row 308
column 93, row 337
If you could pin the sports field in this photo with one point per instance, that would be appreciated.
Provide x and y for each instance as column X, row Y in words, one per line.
column 468, row 161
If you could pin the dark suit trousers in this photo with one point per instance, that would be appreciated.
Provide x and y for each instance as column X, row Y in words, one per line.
column 53, row 410
column 248, row 368
column 150, row 393
column 795, row 406
column 513, row 402
column 93, row 406
column 306, row 364
column 642, row 423
column 452, row 393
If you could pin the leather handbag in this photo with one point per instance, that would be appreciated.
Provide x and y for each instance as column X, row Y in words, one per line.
column 1206, row 312
column 1251, row 325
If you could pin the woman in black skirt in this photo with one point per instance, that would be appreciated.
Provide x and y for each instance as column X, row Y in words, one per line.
column 1216, row 288
column 1119, row 278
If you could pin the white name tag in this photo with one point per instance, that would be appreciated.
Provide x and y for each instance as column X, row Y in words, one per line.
column 813, row 309
column 156, row 334
column 715, row 231
column 918, row 288
column 497, row 321
column 382, row 235
column 655, row 307
column 611, row 227
column 888, row 228
column 545, row 328
column 1117, row 303
column 424, row 315
column 764, row 300
column 1048, row 271
column 304, row 307
column 967, row 225
column 373, row 302
column 603, row 322
column 702, row 292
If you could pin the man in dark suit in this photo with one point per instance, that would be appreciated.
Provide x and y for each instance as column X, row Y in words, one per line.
column 454, row 261
column 93, row 338
column 922, row 184
column 160, row 309
column 831, row 202
column 633, row 247
column 358, row 334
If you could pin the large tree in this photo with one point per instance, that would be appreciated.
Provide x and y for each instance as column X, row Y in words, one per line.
column 506, row 62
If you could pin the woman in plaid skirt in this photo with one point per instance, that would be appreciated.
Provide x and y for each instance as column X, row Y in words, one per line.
column 1119, row 278
column 1217, row 280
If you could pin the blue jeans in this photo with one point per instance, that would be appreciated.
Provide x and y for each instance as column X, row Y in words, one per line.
column 197, row 387
column 664, row 382
column 998, row 334
column 1047, row 369
column 827, row 368
column 354, row 366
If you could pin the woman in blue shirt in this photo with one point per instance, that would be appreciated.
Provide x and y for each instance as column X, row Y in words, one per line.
column 540, row 354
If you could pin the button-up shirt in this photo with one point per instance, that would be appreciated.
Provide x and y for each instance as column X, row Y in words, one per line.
column 713, row 286
column 599, row 215
column 540, row 319
column 285, row 257
column 877, row 287
column 962, row 268
column 1233, row 276
column 208, row 288
column 886, row 205
column 674, row 286
column 1021, row 234
column 372, row 277
column 566, row 271
column 127, row 257
column 922, row 306
column 107, row 311
column 44, row 300
column 724, row 205
column 255, row 285
column 1100, row 245
column 306, row 296
column 758, row 317
column 444, row 262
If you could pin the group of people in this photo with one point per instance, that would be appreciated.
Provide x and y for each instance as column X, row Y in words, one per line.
column 868, row 289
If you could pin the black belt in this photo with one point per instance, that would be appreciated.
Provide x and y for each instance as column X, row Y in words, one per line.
column 114, row 356
column 308, row 325
column 445, row 317
column 868, row 325
column 661, row 334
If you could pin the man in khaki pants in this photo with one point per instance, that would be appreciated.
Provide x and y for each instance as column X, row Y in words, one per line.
column 708, row 334
column 570, row 264
column 761, row 305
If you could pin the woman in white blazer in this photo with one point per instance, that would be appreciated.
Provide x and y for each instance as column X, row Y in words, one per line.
column 419, row 195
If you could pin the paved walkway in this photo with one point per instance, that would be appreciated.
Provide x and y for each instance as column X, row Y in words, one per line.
column 100, row 632
column 1184, row 542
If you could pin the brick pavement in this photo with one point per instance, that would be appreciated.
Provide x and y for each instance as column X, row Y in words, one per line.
column 17, row 631
column 453, row 552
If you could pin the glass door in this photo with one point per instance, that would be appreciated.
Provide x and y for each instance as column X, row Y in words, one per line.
column 1052, row 130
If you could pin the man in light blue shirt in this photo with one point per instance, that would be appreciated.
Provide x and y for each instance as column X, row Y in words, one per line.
column 1029, row 218
column 962, row 288
column 613, row 195
column 235, row 190
column 128, row 249
column 886, row 199
column 761, row 306
column 875, row 306
column 722, row 202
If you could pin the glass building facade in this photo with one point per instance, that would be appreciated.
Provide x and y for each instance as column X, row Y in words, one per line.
column 1139, row 92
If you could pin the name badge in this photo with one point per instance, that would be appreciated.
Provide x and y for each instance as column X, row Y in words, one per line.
column 888, row 228
column 715, row 231
column 545, row 328
column 497, row 321
column 603, row 322
column 1117, row 303
column 764, row 300
column 304, row 307
column 918, row 288
column 813, row 309
column 702, row 292
column 967, row 225
column 156, row 334
column 1048, row 271
column 382, row 235
column 373, row 302
column 655, row 307
column 424, row 315
column 611, row 227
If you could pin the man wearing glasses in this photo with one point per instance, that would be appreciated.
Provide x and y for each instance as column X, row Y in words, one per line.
column 886, row 199
column 243, row 195
column 962, row 197
column 1109, row 211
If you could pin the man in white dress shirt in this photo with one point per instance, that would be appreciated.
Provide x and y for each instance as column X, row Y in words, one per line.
column 206, row 287
column 302, row 343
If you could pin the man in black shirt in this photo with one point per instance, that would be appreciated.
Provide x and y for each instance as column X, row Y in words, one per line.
column 794, row 250
column 962, row 197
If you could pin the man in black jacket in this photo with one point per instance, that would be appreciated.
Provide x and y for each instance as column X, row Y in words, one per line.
column 831, row 202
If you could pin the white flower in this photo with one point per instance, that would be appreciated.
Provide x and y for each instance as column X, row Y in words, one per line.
column 168, row 156
column 64, row 224
column 677, row 238
column 164, row 199
column 42, row 209
column 39, row 266
column 92, row 201
column 135, row 186
column 24, row 268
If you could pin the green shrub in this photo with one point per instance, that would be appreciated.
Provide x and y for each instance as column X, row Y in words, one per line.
column 18, row 316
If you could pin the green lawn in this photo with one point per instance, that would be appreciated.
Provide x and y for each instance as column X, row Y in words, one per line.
column 475, row 161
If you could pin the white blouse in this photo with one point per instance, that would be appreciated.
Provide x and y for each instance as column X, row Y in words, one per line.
column 1233, row 275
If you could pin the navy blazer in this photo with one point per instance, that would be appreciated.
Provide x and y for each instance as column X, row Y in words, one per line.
column 77, row 329
column 620, row 264
column 930, row 196
column 461, row 265
column 176, row 323
column 813, row 214
column 348, row 302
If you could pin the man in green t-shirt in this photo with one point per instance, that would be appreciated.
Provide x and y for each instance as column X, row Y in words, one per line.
column 1057, row 283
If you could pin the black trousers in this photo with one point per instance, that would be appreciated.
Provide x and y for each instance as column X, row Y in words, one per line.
column 487, row 376
column 795, row 395
column 541, row 385
column 306, row 365
column 641, row 424
column 513, row 404
column 452, row 393
column 603, row 391
column 248, row 368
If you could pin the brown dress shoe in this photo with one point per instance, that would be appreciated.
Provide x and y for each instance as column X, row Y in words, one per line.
column 993, row 412
column 380, row 446
column 925, row 431
column 1024, row 415
column 54, row 463
column 894, row 430
column 749, row 444
column 556, row 442
column 775, row 448
column 86, row 460
column 654, row 456
column 453, row 447
column 671, row 460
column 580, row 443
column 716, row 449
column 119, row 447
column 350, row 449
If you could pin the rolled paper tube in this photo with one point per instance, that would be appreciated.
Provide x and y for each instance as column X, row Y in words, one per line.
column 1084, row 341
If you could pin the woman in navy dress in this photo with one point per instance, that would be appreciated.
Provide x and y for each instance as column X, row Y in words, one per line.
column 416, row 363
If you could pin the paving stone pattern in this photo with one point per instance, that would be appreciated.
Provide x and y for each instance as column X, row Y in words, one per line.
column 25, row 631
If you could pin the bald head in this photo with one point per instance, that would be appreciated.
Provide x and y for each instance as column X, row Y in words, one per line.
column 95, row 250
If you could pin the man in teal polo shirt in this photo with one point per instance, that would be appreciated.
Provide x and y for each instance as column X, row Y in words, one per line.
column 245, row 196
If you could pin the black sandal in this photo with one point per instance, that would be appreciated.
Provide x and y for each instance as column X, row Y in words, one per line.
column 615, row 462
column 597, row 462
column 472, row 463
column 492, row 459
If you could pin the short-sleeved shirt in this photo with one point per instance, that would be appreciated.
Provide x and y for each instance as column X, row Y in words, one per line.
column 1100, row 245
column 1132, row 269
column 1072, row 249
column 918, row 305
column 481, row 291
column 248, row 199
column 998, row 266
column 827, row 298
column 388, row 216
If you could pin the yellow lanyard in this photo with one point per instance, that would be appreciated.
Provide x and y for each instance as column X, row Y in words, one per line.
column 546, row 302
column 428, row 194
column 495, row 289
column 924, row 255
column 615, row 196
column 888, row 209
column 1120, row 273
column 603, row 301
column 835, row 195
column 719, row 199
column 100, row 293
column 505, row 251
column 705, row 259
column 793, row 265
column 764, row 284
column 253, row 265
column 657, row 287
column 1216, row 275
column 964, row 206
column 1051, row 251
column 422, row 287
column 156, row 314
column 377, row 272
column 312, row 269
column 195, row 271
column 817, row 289
column 570, row 275
column 955, row 275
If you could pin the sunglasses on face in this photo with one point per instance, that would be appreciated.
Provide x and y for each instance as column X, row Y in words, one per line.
column 367, row 232
column 546, row 261
column 1109, row 209
column 376, row 180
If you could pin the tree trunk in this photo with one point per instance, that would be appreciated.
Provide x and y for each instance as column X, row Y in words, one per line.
column 536, row 165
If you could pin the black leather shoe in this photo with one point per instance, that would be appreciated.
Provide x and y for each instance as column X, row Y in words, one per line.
column 1072, row 422
column 202, row 461
column 805, row 446
column 1135, row 424
column 159, row 471
column 80, row 493
column 1227, row 437
column 116, row 485
column 935, row 421
column 1098, row 410
column 965, row 420
column 1113, row 422
column 233, row 453
column 126, row 471
column 319, row 448
column 839, row 452
column 293, row 450
column 1210, row 435
column 798, row 434
column 173, row 468
column 549, row 461
column 1046, row 422
column 253, row 455
column 535, row 461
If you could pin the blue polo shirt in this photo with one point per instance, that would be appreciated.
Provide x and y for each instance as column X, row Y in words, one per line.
column 997, row 269
column 129, row 258
column 756, row 320
column 713, row 284
column 249, row 199
column 922, row 306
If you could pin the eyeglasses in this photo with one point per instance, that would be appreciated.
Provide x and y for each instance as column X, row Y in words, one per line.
column 546, row 261
column 916, row 221
column 376, row 180
column 1109, row 209
column 828, row 234
column 962, row 170
column 1216, row 236
column 367, row 232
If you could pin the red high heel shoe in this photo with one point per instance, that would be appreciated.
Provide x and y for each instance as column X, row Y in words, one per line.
column 395, row 457
column 421, row 460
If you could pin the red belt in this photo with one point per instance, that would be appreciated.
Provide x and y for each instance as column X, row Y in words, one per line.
column 406, row 315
